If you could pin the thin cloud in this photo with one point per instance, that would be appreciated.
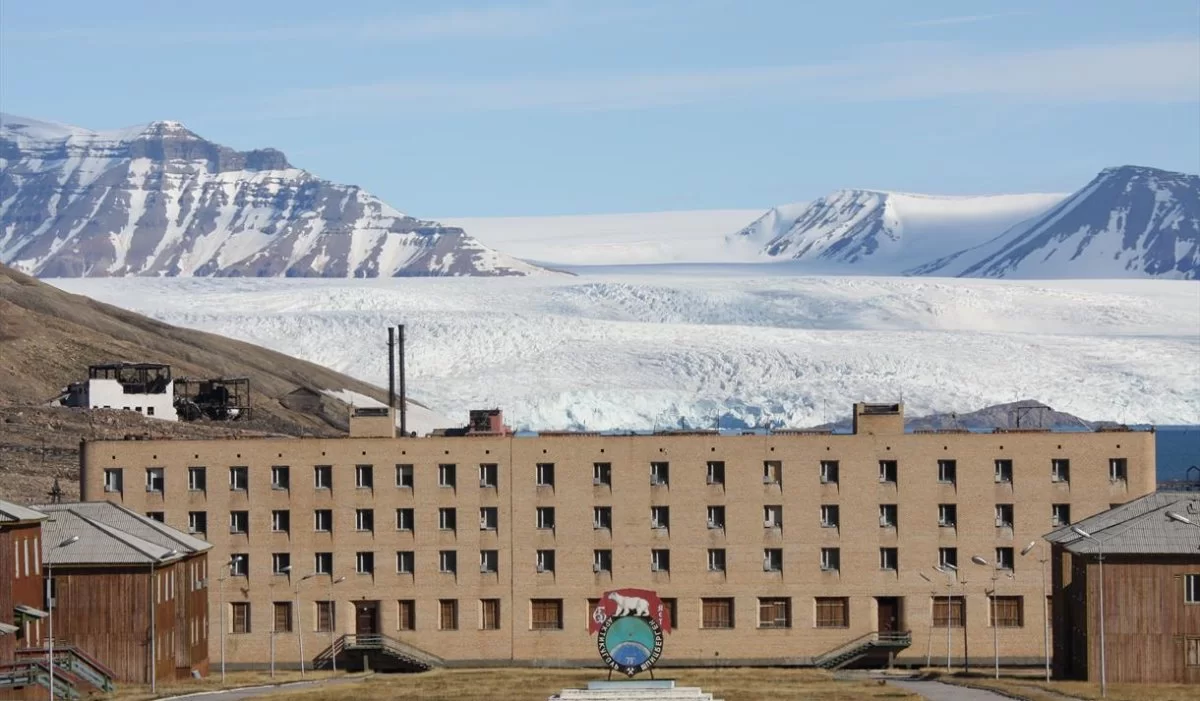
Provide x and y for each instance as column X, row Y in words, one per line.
column 1162, row 71
column 964, row 19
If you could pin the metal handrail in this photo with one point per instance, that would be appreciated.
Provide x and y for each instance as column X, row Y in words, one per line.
column 377, row 641
column 866, row 640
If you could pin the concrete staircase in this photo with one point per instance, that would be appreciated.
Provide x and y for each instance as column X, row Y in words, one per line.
column 870, row 650
column 648, row 690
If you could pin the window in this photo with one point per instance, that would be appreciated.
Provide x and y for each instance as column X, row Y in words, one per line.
column 241, row 616
column 602, row 474
column 775, row 612
column 149, row 411
column 448, row 561
column 406, row 615
column 947, row 471
column 660, row 474
column 1004, row 558
column 832, row 612
column 947, row 515
column 772, row 472
column 889, row 559
column 546, row 614
column 197, row 479
column 489, row 518
column 281, row 477
column 364, row 476
column 364, row 519
column 156, row 516
column 829, row 516
column 404, row 476
column 154, row 479
column 716, row 472
column 446, row 475
column 1117, row 469
column 283, row 617
column 239, row 521
column 716, row 559
column 489, row 561
column 325, row 616
column 489, row 476
column 1060, row 470
column 660, row 560
column 773, row 560
column 829, row 472
column 197, row 522
column 545, row 517
column 545, row 474
column 323, row 477
column 448, row 614
column 238, row 479
column 602, row 561
column 281, row 563
column 716, row 613
column 1007, row 612
column 889, row 516
column 773, row 516
column 1192, row 651
column 602, row 517
column 1004, row 516
column 831, row 559
column 489, row 614
column 545, row 561
column 239, row 565
column 405, row 562
column 1060, row 514
column 448, row 518
column 113, row 481
column 364, row 563
column 404, row 519
column 323, row 520
column 949, row 611
column 323, row 563
column 281, row 521
column 948, row 556
column 670, row 611
column 1191, row 588
column 660, row 517
column 887, row 471
column 1004, row 472
column 716, row 517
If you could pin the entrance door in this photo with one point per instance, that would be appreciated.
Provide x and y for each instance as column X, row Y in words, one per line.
column 889, row 614
column 366, row 617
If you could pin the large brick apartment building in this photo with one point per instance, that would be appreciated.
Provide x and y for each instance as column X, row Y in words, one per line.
column 486, row 547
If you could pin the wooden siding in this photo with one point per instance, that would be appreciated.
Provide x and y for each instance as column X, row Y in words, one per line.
column 18, row 587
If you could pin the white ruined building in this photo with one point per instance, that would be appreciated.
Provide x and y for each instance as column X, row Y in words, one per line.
column 142, row 387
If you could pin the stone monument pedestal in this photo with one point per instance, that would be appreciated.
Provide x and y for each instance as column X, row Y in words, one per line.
column 634, row 690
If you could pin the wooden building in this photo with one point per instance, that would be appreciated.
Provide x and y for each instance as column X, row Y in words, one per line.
column 21, row 596
column 131, row 591
column 1151, row 592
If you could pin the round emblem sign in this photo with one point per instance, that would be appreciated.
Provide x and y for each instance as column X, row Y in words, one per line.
column 630, row 644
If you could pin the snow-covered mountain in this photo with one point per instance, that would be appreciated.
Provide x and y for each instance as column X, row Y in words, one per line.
column 878, row 232
column 1129, row 221
column 159, row 200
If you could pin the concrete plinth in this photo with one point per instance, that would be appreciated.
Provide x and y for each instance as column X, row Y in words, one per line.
column 648, row 690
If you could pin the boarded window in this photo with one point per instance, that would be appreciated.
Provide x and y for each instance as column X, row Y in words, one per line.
column 324, row 616
column 1192, row 646
column 1008, row 612
column 241, row 616
column 670, row 607
column 283, row 617
column 546, row 614
column 407, row 619
column 716, row 613
column 775, row 613
column 948, row 611
column 448, row 614
column 833, row 612
column 489, row 614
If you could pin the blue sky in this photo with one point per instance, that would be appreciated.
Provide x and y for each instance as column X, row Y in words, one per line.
column 560, row 106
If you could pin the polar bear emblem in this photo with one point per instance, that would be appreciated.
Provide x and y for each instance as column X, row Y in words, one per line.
column 630, row 605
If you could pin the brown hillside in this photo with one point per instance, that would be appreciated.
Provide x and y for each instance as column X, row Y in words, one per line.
column 49, row 337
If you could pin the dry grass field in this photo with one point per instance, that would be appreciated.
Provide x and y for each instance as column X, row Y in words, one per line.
column 1036, row 688
column 135, row 692
column 539, row 684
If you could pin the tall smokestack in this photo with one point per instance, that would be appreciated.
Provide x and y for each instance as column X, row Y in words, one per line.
column 403, row 394
column 391, row 368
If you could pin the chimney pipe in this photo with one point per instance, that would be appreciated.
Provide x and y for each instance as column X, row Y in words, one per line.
column 403, row 393
column 391, row 368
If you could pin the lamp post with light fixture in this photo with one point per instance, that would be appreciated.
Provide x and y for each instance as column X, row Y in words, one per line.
column 1176, row 516
column 50, row 606
column 995, row 624
column 950, row 571
column 1045, row 603
column 333, row 621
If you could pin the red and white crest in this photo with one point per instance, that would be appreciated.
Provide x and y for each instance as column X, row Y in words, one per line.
column 629, row 602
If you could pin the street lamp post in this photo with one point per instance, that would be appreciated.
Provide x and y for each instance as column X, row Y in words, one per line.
column 929, row 636
column 1045, row 603
column 221, row 589
column 950, row 571
column 995, row 628
column 50, row 610
column 333, row 622
column 1103, row 660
